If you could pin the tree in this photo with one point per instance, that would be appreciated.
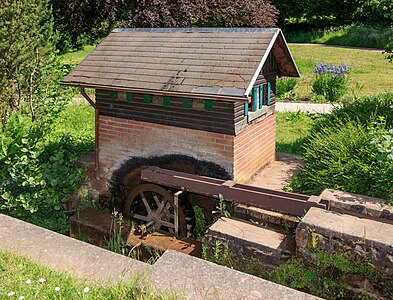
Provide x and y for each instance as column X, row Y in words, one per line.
column 27, row 59
column 185, row 13
column 84, row 21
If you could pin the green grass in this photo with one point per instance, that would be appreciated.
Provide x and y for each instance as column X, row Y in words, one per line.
column 76, row 57
column 370, row 68
column 16, row 272
column 293, row 129
column 367, row 36
column 76, row 119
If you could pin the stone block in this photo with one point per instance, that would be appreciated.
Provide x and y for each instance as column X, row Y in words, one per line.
column 263, row 216
column 194, row 278
column 358, row 204
column 248, row 240
column 338, row 233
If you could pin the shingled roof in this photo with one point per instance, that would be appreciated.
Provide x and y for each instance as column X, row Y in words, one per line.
column 219, row 63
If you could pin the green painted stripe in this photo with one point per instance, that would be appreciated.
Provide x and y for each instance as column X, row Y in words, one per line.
column 146, row 98
column 113, row 95
column 186, row 103
column 167, row 100
column 260, row 96
column 246, row 109
column 130, row 97
column 268, row 93
column 254, row 98
column 208, row 105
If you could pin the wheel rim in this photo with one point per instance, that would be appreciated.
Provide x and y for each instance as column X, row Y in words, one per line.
column 149, row 202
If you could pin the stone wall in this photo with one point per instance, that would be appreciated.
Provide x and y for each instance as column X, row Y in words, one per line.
column 334, row 232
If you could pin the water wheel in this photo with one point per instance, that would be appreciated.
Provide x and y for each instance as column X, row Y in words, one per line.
column 152, row 203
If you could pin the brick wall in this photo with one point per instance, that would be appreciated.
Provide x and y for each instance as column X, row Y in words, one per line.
column 241, row 156
column 254, row 148
column 121, row 139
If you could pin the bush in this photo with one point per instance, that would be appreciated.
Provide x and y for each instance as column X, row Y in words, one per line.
column 351, row 150
column 363, row 111
column 285, row 88
column 37, row 166
column 330, row 81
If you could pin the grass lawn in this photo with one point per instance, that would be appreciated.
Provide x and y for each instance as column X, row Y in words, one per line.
column 77, row 56
column 292, row 131
column 22, row 278
column 370, row 68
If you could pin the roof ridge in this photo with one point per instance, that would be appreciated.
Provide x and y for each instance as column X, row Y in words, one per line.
column 200, row 29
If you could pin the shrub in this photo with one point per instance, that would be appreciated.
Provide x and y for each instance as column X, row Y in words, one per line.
column 330, row 81
column 285, row 88
column 351, row 150
column 37, row 171
column 363, row 111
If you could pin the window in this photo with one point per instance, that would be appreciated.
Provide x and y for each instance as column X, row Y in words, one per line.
column 156, row 99
column 260, row 96
column 122, row 96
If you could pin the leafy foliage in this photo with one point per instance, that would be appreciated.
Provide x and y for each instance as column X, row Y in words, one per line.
column 327, row 275
column 330, row 81
column 36, row 180
column 87, row 21
column 285, row 88
column 29, row 68
column 81, row 22
column 351, row 150
column 325, row 13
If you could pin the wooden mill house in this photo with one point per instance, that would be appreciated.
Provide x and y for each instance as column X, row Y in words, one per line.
column 203, row 93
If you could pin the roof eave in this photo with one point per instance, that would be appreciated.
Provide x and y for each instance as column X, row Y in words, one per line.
column 295, row 72
column 156, row 92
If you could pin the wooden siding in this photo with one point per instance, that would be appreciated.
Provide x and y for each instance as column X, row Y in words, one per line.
column 220, row 119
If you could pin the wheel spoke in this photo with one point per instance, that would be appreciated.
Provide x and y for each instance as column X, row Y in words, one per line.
column 157, row 199
column 140, row 217
column 164, row 223
column 160, row 208
column 145, row 203
column 167, row 206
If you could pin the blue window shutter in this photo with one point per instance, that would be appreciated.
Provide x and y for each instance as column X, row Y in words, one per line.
column 246, row 109
column 268, row 93
column 254, row 98
column 260, row 96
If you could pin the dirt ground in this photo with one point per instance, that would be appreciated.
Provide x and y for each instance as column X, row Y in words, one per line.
column 278, row 174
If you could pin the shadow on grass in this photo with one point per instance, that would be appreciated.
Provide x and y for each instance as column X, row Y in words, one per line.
column 293, row 147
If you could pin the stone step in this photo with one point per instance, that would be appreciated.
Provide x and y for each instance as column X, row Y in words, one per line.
column 194, row 278
column 249, row 240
